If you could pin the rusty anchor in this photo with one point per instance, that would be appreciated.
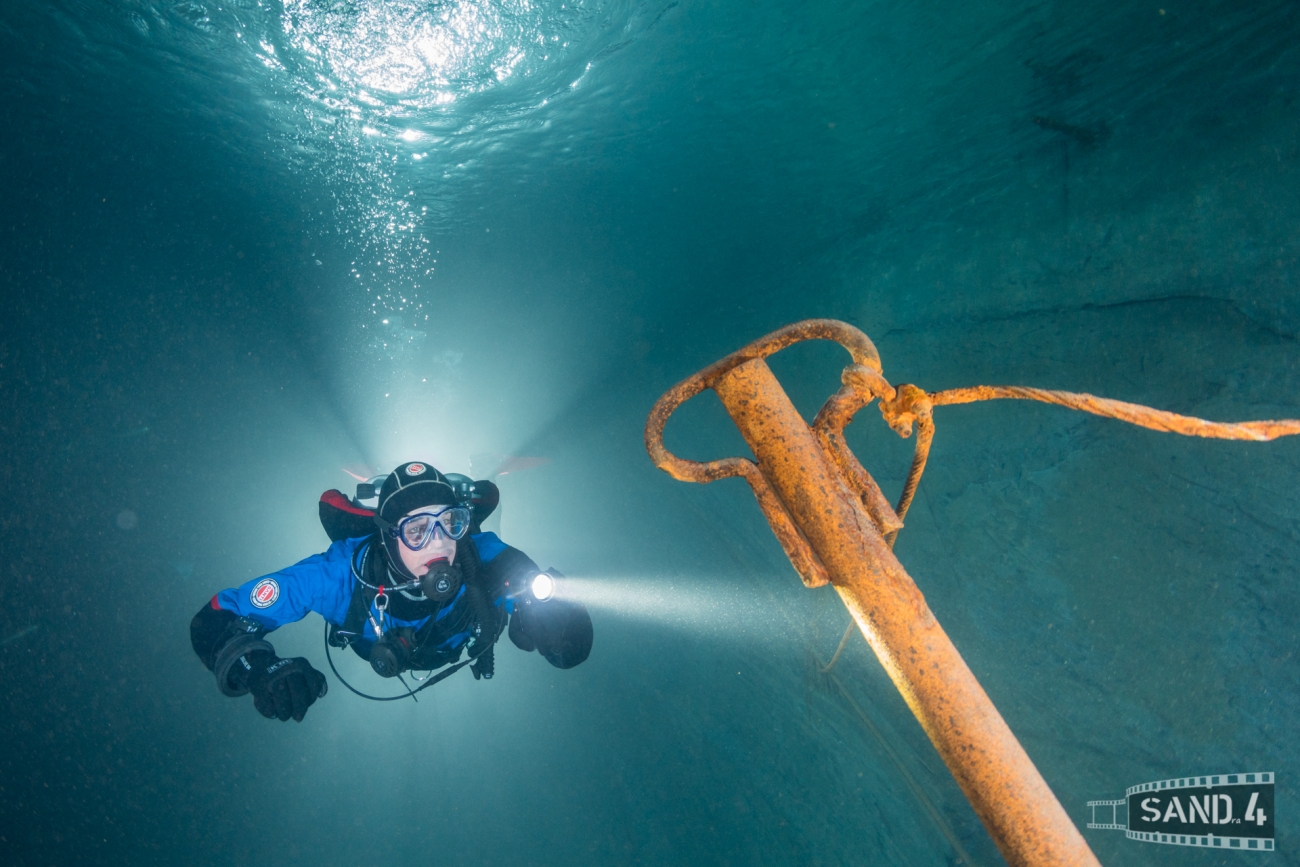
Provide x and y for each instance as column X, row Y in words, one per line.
column 837, row 527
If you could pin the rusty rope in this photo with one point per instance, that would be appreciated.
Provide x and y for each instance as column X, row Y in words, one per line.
column 1143, row 416
column 912, row 406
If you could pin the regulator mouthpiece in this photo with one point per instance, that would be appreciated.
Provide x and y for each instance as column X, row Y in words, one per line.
column 442, row 581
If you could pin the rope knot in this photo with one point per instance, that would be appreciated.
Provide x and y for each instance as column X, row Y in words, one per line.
column 908, row 404
column 869, row 383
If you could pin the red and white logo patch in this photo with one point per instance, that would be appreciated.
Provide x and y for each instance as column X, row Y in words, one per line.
column 415, row 469
column 265, row 593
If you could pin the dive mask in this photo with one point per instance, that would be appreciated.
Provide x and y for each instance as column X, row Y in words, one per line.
column 416, row 531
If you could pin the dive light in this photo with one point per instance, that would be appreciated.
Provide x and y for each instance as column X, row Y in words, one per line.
column 543, row 586
column 537, row 587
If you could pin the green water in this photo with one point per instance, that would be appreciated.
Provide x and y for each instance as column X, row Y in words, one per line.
column 249, row 246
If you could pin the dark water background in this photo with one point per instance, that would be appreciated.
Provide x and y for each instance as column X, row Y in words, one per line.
column 227, row 275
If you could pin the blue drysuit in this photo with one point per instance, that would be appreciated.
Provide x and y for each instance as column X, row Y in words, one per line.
column 324, row 583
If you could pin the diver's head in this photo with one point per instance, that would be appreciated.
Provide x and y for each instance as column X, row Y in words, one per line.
column 419, row 519
column 437, row 544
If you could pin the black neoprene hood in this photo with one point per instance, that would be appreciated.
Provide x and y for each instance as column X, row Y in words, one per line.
column 411, row 486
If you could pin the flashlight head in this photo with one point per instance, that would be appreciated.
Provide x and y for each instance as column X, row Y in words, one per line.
column 543, row 586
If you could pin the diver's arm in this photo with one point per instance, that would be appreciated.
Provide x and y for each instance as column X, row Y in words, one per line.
column 232, row 648
column 228, row 633
column 221, row 638
column 321, row 583
column 559, row 629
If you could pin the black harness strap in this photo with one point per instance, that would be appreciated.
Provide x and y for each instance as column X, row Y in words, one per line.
column 357, row 619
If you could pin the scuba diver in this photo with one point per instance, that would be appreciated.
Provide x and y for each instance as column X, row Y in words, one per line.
column 410, row 585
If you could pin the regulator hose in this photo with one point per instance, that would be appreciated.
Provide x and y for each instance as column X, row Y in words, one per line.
column 440, row 676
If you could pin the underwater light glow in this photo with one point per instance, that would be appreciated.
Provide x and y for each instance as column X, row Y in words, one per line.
column 543, row 586
column 357, row 85
column 706, row 606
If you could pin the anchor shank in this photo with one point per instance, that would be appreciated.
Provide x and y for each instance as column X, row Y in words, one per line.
column 1019, row 810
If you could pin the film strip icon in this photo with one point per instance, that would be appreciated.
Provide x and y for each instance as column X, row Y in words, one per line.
column 1113, row 824
column 1216, row 811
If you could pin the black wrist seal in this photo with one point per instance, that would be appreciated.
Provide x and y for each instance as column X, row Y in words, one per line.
column 231, row 667
column 220, row 638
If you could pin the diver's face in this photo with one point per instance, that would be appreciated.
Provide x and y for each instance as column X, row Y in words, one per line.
column 440, row 547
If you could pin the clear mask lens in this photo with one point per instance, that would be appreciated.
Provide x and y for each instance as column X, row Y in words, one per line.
column 455, row 522
column 417, row 530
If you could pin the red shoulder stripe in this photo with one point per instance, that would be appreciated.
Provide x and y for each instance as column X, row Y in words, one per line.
column 337, row 500
column 213, row 603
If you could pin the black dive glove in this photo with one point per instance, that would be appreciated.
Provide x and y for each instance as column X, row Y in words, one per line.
column 281, row 688
column 558, row 629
